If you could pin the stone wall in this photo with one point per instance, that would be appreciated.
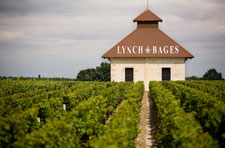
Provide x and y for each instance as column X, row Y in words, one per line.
column 147, row 69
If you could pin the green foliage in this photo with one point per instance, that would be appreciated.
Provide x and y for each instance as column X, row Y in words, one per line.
column 100, row 73
column 37, row 78
column 208, row 110
column 187, row 111
column 88, row 106
column 217, row 90
column 177, row 128
column 18, row 96
column 82, row 123
column 16, row 126
column 212, row 74
column 122, row 129
column 22, row 102
column 192, row 78
column 87, row 75
column 103, row 72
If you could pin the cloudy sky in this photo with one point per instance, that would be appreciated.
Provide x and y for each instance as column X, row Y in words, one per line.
column 58, row 38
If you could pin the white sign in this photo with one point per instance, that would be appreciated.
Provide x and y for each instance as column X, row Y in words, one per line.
column 148, row 50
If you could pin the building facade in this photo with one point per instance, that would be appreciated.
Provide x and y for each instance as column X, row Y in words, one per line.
column 147, row 54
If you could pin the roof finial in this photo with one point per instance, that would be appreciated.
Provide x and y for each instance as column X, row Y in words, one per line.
column 147, row 4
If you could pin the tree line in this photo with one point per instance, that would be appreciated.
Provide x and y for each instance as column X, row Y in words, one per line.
column 211, row 74
column 102, row 73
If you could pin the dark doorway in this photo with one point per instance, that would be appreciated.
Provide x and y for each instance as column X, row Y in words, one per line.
column 166, row 74
column 129, row 74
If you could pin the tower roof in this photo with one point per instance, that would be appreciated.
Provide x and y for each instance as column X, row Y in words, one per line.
column 147, row 15
column 148, row 41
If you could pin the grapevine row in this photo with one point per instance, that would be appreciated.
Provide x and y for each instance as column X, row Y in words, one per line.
column 10, row 87
column 215, row 91
column 177, row 128
column 77, row 127
column 208, row 110
column 122, row 129
column 16, row 125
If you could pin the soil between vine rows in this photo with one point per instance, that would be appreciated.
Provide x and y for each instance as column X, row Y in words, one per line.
column 148, row 124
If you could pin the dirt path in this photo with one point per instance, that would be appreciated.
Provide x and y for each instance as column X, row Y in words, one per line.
column 144, row 138
column 148, row 124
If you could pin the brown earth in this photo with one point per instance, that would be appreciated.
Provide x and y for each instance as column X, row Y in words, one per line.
column 148, row 124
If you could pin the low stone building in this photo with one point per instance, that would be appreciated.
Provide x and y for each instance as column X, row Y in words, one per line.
column 147, row 54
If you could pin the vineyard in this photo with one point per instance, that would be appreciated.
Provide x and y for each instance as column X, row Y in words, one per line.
column 41, row 113
column 191, row 113
column 69, row 114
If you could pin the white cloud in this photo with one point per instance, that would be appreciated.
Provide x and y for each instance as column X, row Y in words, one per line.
column 77, row 33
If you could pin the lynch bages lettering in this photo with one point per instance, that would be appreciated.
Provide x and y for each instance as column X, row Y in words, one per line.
column 148, row 50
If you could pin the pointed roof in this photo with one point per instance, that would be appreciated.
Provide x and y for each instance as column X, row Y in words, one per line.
column 148, row 38
column 148, row 41
column 147, row 15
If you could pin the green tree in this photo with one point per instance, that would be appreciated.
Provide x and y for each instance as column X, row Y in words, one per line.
column 192, row 78
column 103, row 72
column 212, row 74
column 87, row 75
column 100, row 73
